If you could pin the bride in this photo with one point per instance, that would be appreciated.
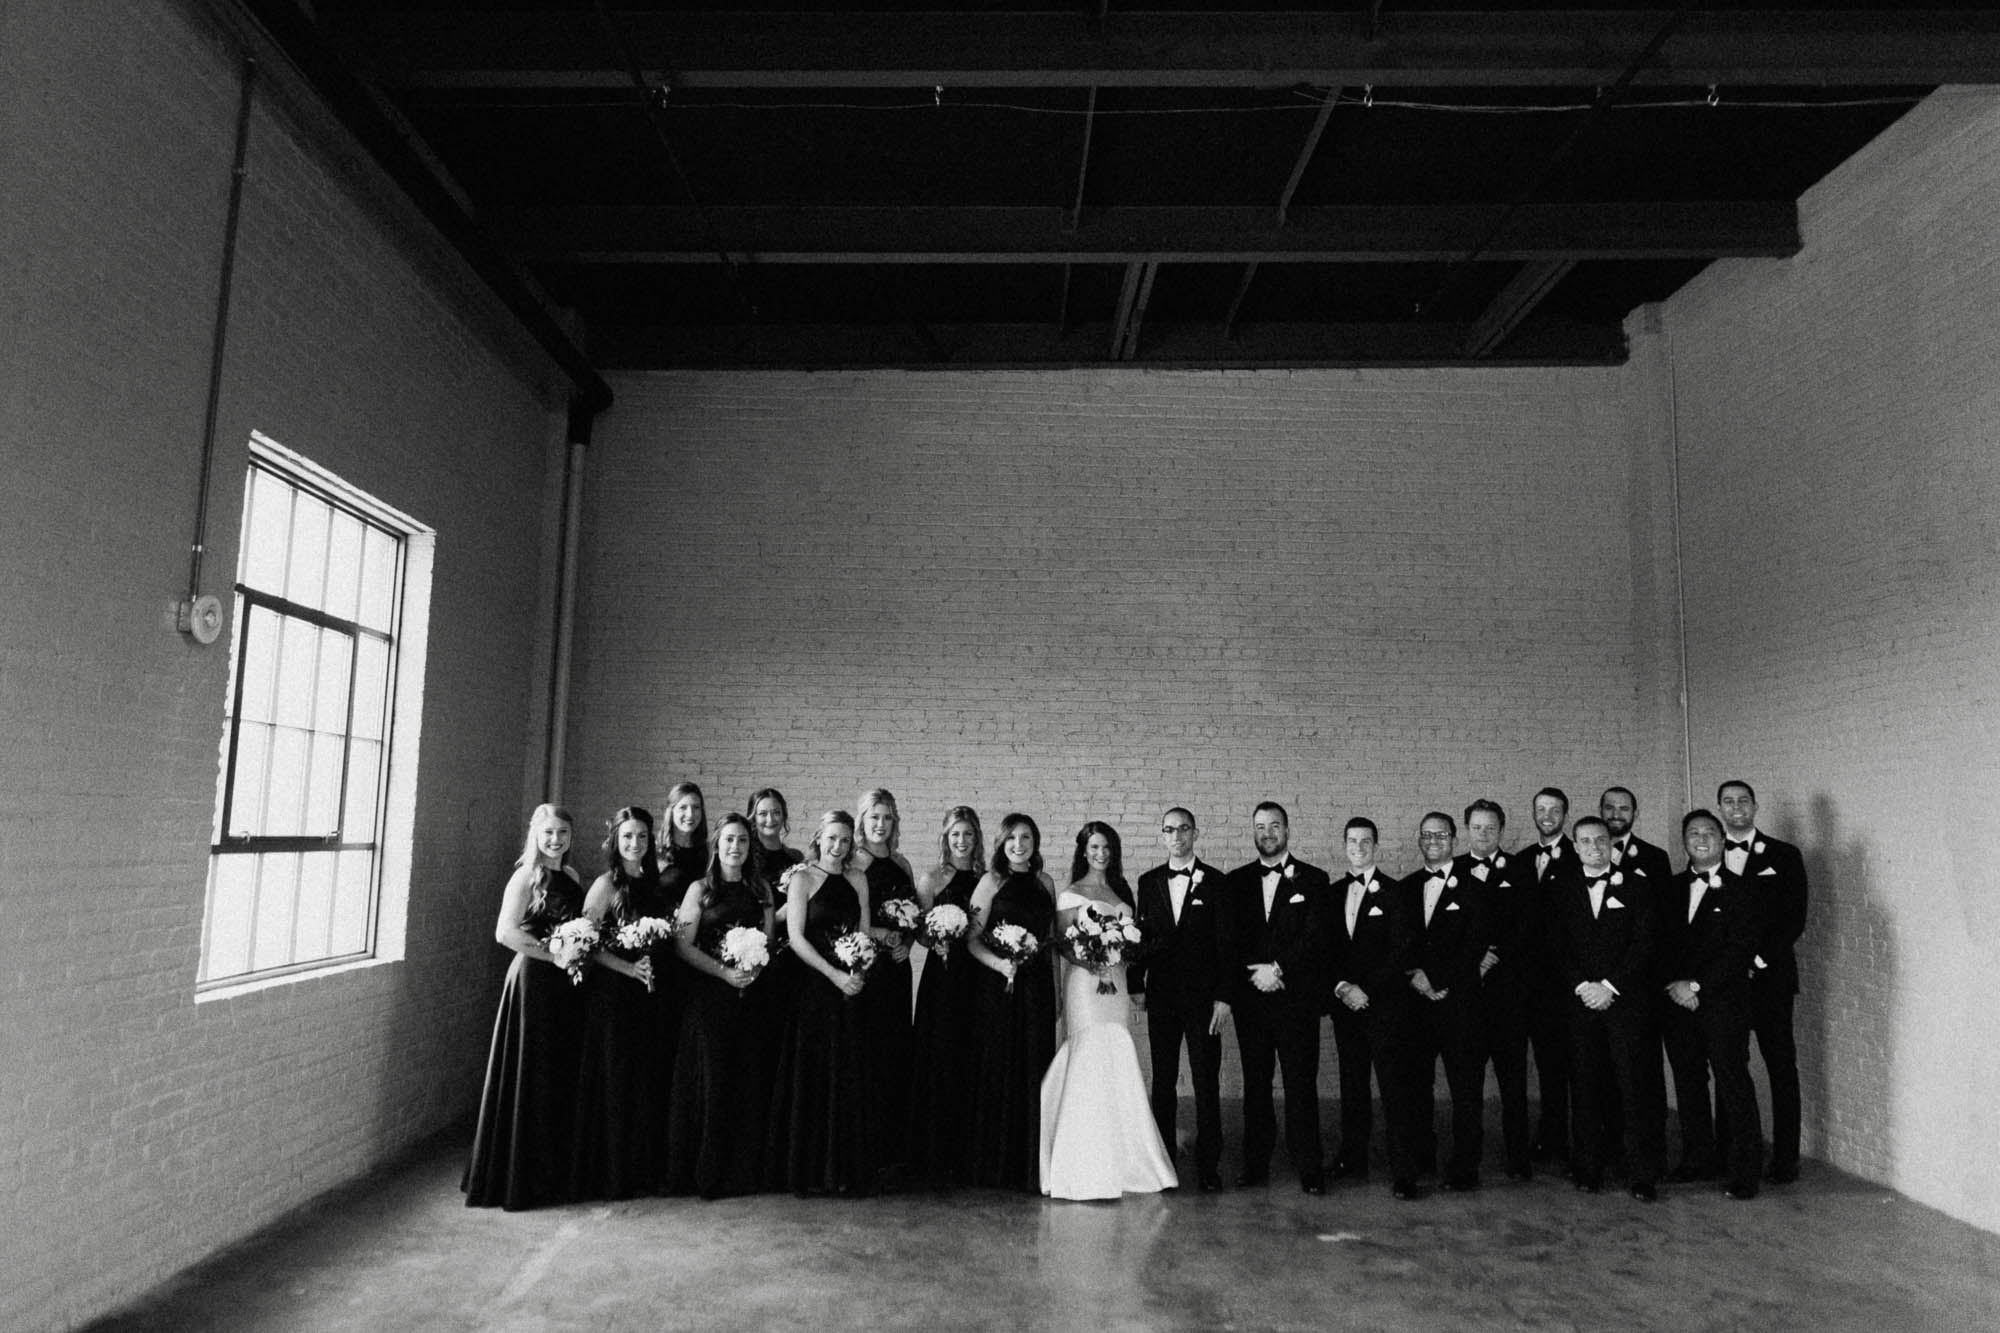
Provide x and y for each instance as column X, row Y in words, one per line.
column 1099, row 1139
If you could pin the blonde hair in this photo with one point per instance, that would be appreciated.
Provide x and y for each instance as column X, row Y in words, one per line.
column 873, row 797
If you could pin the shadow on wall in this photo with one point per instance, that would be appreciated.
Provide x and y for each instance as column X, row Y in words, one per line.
column 1847, row 989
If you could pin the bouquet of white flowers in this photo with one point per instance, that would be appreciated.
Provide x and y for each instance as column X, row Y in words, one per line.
column 855, row 950
column 572, row 943
column 900, row 915
column 1014, row 943
column 745, row 948
column 942, row 927
column 1099, row 939
column 641, row 935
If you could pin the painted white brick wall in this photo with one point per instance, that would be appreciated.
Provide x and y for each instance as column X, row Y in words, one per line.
column 1842, row 496
column 139, row 1132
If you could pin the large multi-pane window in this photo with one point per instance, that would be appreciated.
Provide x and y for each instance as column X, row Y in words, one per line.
column 295, row 868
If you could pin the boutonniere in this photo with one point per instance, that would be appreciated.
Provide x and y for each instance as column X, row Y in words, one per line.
column 1369, row 885
column 1553, row 852
column 1195, row 878
column 1617, row 877
column 1291, row 870
column 1480, row 872
column 1501, row 860
column 1758, row 846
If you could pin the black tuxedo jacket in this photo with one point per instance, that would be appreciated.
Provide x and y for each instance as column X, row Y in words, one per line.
column 1616, row 945
column 1295, row 937
column 1374, row 955
column 1508, row 910
column 1649, row 858
column 1192, row 961
column 1776, row 873
column 1450, row 948
column 1715, row 948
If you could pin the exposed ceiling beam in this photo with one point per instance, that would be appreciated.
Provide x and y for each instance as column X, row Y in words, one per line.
column 1564, row 48
column 1132, row 315
column 1306, row 151
column 1189, row 345
column 979, row 235
column 1516, row 301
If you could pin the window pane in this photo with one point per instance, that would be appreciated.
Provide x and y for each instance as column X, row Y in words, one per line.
column 371, row 688
column 285, row 786
column 315, row 915
column 232, row 882
column 378, row 580
column 305, row 573
column 266, row 524
column 352, row 887
column 260, row 663
column 343, row 566
column 298, row 656
column 277, row 883
column 323, row 787
column 336, row 652
column 364, row 762
column 253, row 759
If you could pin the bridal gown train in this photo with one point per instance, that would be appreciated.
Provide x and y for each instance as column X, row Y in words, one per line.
column 1098, row 1136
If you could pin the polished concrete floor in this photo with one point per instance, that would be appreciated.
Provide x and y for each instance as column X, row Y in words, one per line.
column 399, row 1250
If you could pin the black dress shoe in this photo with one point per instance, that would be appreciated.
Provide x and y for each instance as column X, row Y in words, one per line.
column 1210, row 1181
column 1250, row 1178
column 1741, row 1193
column 1783, row 1175
column 1463, row 1183
column 1312, row 1185
column 1645, row 1191
column 1406, row 1190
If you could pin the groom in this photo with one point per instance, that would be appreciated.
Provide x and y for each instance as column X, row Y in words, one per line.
column 1183, row 980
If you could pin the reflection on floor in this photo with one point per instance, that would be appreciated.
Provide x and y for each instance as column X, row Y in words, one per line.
column 400, row 1251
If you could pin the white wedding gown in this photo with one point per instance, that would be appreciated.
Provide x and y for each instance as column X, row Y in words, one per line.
column 1098, row 1136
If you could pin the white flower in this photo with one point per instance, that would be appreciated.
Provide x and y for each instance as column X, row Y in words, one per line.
column 1617, row 877
column 1196, row 879
column 1501, row 861
column 1758, row 846
column 1291, row 870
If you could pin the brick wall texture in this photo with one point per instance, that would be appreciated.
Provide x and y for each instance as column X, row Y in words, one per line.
column 139, row 1130
column 1081, row 594
column 1841, row 540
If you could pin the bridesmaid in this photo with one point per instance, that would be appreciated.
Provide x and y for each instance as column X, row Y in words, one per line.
column 940, row 1090
column 821, row 1140
column 519, row 1152
column 627, row 1042
column 1014, row 1028
column 717, row 1107
column 772, row 819
column 684, row 849
column 885, row 1007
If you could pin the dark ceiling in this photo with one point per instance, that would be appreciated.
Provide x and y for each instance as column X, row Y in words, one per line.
column 1202, row 184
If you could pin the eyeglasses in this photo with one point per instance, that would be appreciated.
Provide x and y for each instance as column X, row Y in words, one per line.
column 1434, row 836
column 1176, row 828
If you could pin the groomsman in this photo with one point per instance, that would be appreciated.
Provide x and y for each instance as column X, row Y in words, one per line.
column 1444, row 919
column 1183, row 981
column 1775, row 874
column 1280, row 992
column 1370, row 997
column 1605, row 920
column 1619, row 809
column 1505, row 979
column 1711, row 933
column 1552, row 863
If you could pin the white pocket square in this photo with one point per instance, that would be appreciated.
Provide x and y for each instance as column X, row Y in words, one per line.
column 1451, row 907
column 1296, row 898
column 1374, row 911
column 1612, row 902
column 1767, row 870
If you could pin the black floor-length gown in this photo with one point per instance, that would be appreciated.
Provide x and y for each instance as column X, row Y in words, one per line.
column 1014, row 1038
column 940, row 1089
column 520, row 1151
column 627, row 1066
column 885, row 1018
column 715, row 1125
column 821, row 1138
column 771, row 997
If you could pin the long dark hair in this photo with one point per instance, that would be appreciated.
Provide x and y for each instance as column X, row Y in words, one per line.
column 622, row 883
column 753, row 874
column 1114, row 874
column 1007, row 826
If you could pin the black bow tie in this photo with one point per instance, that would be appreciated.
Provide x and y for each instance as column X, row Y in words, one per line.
column 1594, row 880
column 1735, row 846
column 1277, row 869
